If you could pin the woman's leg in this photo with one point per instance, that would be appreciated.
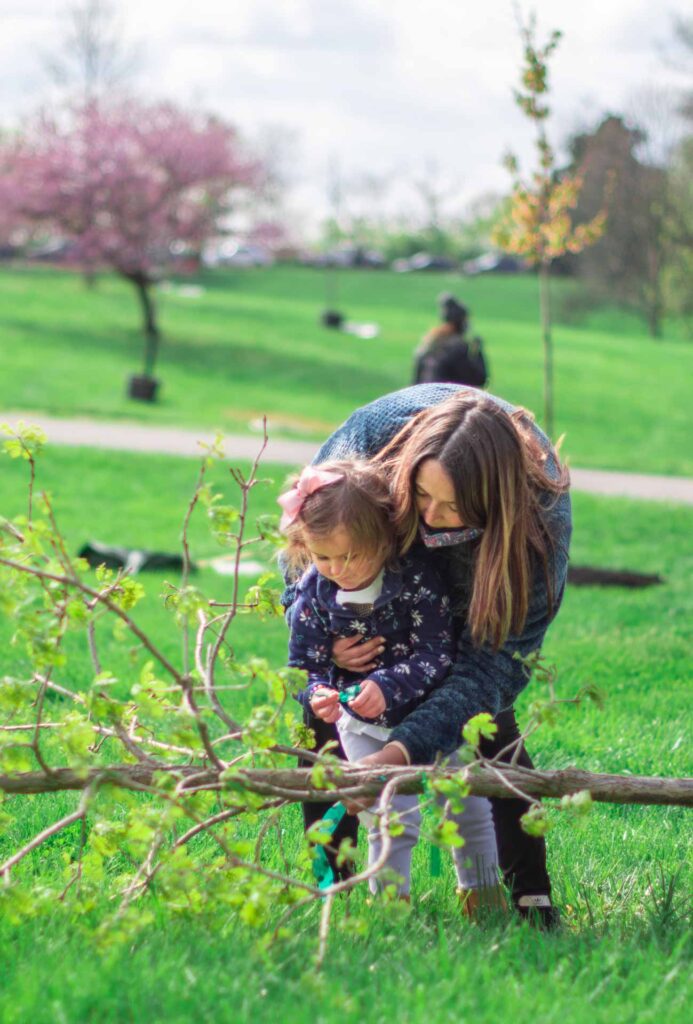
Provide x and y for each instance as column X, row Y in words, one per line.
column 312, row 812
column 357, row 745
column 522, row 857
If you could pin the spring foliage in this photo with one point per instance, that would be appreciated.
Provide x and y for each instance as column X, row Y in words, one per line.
column 537, row 223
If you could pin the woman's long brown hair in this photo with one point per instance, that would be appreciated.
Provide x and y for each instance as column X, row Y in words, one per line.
column 502, row 476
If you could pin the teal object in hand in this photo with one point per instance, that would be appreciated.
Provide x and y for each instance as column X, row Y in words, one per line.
column 349, row 694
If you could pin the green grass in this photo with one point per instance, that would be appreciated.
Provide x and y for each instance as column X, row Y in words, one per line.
column 623, row 954
column 251, row 344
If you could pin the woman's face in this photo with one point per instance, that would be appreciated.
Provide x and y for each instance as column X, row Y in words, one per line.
column 435, row 496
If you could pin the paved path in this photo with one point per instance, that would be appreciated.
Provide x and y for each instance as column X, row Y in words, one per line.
column 173, row 441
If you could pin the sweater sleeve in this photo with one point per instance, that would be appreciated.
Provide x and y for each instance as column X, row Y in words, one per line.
column 482, row 678
column 431, row 643
column 310, row 642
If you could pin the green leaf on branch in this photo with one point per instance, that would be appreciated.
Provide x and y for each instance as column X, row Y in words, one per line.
column 536, row 821
column 16, row 694
column 77, row 735
column 346, row 853
column 222, row 519
column 455, row 790
column 446, row 834
column 300, row 735
column 395, row 826
column 14, row 756
column 262, row 599
column 590, row 691
column 318, row 834
column 25, row 442
column 268, row 529
column 478, row 727
column 579, row 804
column 185, row 602
column 127, row 594
column 104, row 575
column 262, row 727
column 319, row 779
column 183, row 729
column 545, row 712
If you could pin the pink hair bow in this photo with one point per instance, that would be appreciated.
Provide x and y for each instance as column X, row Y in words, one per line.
column 310, row 481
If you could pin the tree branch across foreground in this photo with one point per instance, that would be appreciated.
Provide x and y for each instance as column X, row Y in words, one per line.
column 294, row 784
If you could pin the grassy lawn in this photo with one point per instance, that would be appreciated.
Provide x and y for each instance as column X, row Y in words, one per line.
column 251, row 344
column 624, row 952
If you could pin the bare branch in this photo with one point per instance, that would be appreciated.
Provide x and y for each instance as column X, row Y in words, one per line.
column 353, row 781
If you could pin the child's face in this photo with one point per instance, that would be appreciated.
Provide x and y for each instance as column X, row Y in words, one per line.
column 336, row 557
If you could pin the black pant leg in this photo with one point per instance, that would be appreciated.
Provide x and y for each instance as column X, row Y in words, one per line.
column 522, row 857
column 312, row 812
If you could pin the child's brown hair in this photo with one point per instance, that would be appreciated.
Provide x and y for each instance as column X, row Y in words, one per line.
column 360, row 502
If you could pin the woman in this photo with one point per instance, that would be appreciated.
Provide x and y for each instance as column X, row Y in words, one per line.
column 481, row 491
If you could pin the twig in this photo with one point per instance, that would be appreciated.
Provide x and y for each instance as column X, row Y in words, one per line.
column 324, row 929
column 245, row 486
column 129, row 622
column 41, row 837
column 185, row 575
column 93, row 650
column 36, row 741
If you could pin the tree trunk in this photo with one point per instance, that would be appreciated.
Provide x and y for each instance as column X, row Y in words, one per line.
column 149, row 324
column 294, row 783
column 547, row 343
column 332, row 287
column 653, row 295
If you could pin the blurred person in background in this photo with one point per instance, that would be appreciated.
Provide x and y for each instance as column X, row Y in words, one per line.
column 446, row 355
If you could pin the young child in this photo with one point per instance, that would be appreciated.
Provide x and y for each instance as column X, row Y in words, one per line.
column 338, row 524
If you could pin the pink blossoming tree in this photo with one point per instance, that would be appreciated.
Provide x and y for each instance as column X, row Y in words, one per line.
column 126, row 182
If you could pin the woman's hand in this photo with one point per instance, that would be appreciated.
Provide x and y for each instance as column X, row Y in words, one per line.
column 391, row 754
column 350, row 653
column 370, row 702
column 324, row 703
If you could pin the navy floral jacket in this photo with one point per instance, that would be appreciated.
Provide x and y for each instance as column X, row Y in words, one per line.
column 412, row 613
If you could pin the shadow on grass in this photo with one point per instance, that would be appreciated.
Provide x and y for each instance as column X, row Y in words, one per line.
column 238, row 363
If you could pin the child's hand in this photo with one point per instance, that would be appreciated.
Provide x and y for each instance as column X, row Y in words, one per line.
column 325, row 704
column 370, row 702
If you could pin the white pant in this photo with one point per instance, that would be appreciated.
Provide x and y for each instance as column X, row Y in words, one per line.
column 476, row 863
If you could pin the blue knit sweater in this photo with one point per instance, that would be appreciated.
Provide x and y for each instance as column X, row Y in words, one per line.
column 481, row 678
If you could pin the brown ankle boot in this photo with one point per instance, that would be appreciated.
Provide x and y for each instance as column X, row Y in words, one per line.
column 477, row 901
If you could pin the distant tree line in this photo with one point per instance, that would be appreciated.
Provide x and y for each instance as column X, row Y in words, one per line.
column 105, row 172
column 644, row 259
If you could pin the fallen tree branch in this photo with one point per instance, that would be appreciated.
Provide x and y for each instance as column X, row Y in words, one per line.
column 494, row 781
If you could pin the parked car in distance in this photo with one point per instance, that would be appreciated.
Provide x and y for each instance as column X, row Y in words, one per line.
column 11, row 252
column 423, row 261
column 346, row 256
column 493, row 263
column 53, row 250
column 228, row 252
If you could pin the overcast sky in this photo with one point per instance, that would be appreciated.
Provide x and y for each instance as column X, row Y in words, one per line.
column 388, row 87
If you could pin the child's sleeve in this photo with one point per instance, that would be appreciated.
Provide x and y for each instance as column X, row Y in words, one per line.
column 310, row 642
column 431, row 641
